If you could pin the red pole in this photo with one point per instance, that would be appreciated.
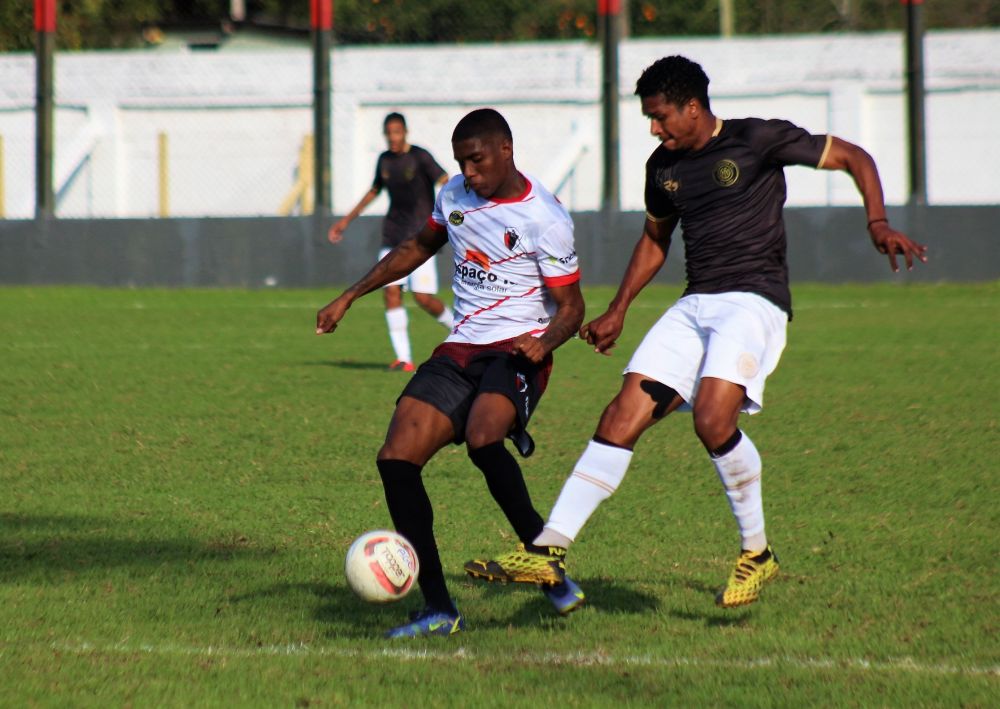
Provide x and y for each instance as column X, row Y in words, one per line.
column 322, row 24
column 610, row 12
column 45, row 15
column 45, row 32
column 322, row 14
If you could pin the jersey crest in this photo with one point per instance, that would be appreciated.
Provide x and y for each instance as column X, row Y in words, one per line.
column 511, row 237
column 726, row 173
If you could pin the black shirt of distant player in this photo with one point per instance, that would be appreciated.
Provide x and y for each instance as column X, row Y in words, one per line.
column 409, row 177
column 729, row 197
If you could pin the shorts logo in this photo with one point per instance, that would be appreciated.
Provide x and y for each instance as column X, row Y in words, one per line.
column 456, row 218
column 522, row 383
column 726, row 173
column 747, row 365
column 511, row 237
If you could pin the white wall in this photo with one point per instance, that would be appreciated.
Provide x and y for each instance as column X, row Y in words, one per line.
column 236, row 120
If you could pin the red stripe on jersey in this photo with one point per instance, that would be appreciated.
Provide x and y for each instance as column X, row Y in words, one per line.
column 556, row 281
column 512, row 258
column 490, row 307
column 520, row 197
column 435, row 226
column 496, row 203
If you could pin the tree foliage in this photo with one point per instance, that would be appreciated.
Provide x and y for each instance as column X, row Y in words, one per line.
column 99, row 24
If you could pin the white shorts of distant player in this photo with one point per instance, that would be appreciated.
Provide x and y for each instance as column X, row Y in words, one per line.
column 737, row 337
column 423, row 280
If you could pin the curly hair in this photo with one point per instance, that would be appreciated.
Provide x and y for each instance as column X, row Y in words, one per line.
column 678, row 78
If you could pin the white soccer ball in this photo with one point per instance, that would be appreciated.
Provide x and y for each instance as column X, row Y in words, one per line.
column 381, row 566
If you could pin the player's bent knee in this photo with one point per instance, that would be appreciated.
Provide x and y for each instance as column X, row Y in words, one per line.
column 474, row 440
column 712, row 427
column 618, row 426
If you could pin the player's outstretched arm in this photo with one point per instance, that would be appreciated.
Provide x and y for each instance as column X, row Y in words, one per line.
column 336, row 232
column 861, row 167
column 648, row 257
column 563, row 325
column 401, row 261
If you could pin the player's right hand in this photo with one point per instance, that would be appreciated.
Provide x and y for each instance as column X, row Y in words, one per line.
column 336, row 233
column 603, row 332
column 330, row 316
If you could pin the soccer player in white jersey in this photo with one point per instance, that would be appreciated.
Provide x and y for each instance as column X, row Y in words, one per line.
column 712, row 351
column 517, row 298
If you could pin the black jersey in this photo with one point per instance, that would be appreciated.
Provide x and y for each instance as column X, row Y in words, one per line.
column 729, row 197
column 409, row 177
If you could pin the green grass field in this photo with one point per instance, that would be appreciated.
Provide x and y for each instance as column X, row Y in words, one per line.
column 182, row 471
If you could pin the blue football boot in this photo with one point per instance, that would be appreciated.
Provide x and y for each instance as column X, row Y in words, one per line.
column 427, row 622
column 566, row 597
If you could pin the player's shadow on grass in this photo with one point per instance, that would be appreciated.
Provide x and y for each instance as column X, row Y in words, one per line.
column 603, row 596
column 334, row 605
column 345, row 615
column 350, row 364
column 713, row 616
column 38, row 545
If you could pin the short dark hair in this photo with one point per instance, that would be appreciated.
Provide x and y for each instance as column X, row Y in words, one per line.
column 393, row 117
column 481, row 123
column 678, row 78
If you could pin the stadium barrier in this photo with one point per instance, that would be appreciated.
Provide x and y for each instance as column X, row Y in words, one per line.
column 826, row 244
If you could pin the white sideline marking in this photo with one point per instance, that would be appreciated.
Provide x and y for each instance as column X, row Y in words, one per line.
column 577, row 659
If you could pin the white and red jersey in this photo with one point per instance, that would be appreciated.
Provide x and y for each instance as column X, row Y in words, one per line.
column 507, row 254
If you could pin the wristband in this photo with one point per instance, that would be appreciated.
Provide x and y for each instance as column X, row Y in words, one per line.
column 876, row 221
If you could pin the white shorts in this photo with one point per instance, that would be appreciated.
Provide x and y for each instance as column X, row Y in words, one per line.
column 737, row 337
column 423, row 280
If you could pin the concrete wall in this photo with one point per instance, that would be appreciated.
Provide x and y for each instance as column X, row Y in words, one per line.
column 825, row 244
column 236, row 120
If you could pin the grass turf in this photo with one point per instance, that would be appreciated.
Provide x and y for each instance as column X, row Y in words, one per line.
column 182, row 471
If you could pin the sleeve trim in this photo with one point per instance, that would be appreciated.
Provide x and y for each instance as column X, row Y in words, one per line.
column 435, row 226
column 656, row 220
column 556, row 281
column 826, row 151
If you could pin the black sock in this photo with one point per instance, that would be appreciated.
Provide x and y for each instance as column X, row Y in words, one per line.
column 506, row 484
column 411, row 512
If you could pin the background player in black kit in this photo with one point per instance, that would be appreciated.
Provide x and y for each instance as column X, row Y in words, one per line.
column 711, row 351
column 410, row 174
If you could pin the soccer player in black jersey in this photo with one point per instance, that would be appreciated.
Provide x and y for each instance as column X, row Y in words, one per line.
column 410, row 174
column 723, row 182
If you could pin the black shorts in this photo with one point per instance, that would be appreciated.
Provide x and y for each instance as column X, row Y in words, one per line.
column 456, row 374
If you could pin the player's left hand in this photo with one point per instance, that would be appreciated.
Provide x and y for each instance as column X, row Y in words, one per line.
column 895, row 243
column 530, row 348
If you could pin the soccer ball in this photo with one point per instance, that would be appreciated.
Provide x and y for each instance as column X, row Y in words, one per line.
column 381, row 566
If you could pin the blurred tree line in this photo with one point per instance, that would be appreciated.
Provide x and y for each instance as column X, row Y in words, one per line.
column 104, row 24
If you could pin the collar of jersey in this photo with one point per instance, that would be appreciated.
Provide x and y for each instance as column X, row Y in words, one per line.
column 521, row 197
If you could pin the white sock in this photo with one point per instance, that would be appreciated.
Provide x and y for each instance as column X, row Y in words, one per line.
column 596, row 475
column 446, row 318
column 739, row 470
column 397, row 320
